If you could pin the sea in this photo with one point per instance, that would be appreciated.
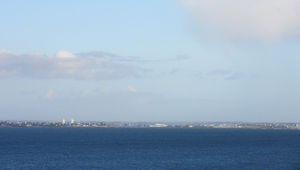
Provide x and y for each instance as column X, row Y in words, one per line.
column 148, row 148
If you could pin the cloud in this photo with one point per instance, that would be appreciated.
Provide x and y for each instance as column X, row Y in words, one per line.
column 226, row 74
column 174, row 71
column 265, row 19
column 49, row 94
column 64, row 54
column 235, row 76
column 220, row 72
column 131, row 89
column 136, row 59
column 66, row 65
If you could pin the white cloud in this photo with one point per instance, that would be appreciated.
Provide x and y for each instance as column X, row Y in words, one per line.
column 65, row 65
column 5, row 51
column 227, row 74
column 265, row 19
column 49, row 94
column 6, row 57
column 4, row 73
column 65, row 54
column 131, row 89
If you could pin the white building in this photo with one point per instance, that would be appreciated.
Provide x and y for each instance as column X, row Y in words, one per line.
column 159, row 125
column 63, row 121
column 72, row 121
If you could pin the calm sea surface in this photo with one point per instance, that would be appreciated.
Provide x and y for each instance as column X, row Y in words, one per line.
column 149, row 148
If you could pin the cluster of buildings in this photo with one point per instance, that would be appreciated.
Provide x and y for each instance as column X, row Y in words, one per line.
column 72, row 123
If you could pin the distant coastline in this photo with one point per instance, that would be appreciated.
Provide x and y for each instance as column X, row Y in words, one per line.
column 104, row 124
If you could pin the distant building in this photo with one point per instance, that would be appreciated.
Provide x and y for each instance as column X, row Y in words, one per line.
column 63, row 121
column 159, row 125
column 72, row 121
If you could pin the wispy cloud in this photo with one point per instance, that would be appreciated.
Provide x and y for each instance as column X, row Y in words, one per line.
column 220, row 72
column 174, row 71
column 136, row 59
column 49, row 94
column 264, row 19
column 227, row 74
column 65, row 64
column 131, row 89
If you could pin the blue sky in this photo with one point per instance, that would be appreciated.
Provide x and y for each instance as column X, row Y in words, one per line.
column 159, row 60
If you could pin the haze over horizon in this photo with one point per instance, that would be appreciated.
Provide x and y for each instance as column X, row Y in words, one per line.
column 160, row 60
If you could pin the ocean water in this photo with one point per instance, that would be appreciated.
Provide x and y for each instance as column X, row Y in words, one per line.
column 148, row 148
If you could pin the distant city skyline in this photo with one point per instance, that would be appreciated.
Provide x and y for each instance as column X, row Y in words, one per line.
column 159, row 60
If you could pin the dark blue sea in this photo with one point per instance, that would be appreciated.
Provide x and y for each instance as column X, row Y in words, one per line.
column 148, row 148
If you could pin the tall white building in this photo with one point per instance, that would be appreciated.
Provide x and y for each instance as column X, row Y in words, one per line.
column 72, row 121
column 63, row 121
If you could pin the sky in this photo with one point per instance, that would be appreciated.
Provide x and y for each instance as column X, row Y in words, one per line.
column 158, row 60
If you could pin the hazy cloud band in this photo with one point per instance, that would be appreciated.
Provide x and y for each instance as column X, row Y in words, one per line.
column 265, row 19
column 66, row 65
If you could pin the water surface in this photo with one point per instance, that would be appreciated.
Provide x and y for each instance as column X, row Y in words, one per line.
column 148, row 148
